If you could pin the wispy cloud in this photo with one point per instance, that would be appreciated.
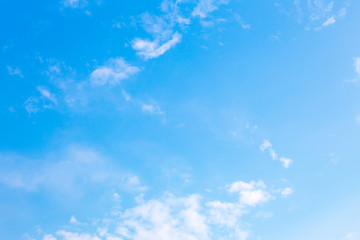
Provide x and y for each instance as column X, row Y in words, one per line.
column 113, row 72
column 47, row 95
column 287, row 192
column 46, row 100
column 266, row 145
column 331, row 20
column 166, row 29
column 204, row 7
column 315, row 14
column 15, row 71
column 67, row 172
column 74, row 221
column 153, row 49
column 151, row 109
column 74, row 3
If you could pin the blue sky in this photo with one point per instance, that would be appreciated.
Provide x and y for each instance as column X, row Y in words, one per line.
column 180, row 119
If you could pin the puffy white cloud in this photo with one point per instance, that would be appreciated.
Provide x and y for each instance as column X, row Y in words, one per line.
column 225, row 213
column 153, row 49
column 286, row 162
column 170, row 218
column 14, row 71
column 112, row 73
column 180, row 218
column 250, row 194
column 265, row 145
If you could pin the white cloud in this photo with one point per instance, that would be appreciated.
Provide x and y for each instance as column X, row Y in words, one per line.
column 204, row 7
column 265, row 145
column 250, row 194
column 165, row 28
column 171, row 218
column 357, row 70
column 357, row 65
column 76, row 236
column 14, row 71
column 44, row 101
column 329, row 21
column 316, row 14
column 286, row 162
column 174, row 12
column 287, row 192
column 273, row 154
column 74, row 221
column 153, row 49
column 49, row 237
column 112, row 73
column 178, row 218
column 157, row 26
column 46, row 94
column 319, row 9
column 225, row 213
column 151, row 109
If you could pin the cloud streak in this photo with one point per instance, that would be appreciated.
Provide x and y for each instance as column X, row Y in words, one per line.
column 204, row 7
column 14, row 71
column 266, row 145
column 153, row 49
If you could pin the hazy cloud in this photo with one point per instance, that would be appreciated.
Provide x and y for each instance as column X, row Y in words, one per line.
column 113, row 72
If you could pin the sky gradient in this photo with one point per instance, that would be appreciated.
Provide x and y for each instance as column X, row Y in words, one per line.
column 180, row 119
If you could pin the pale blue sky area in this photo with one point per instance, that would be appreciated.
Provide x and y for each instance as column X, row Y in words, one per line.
column 180, row 120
